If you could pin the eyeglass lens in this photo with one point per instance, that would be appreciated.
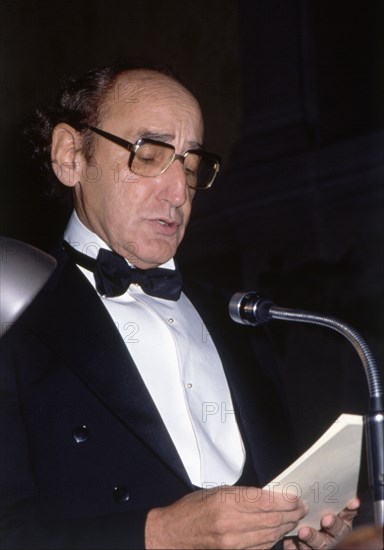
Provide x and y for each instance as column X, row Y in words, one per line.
column 151, row 160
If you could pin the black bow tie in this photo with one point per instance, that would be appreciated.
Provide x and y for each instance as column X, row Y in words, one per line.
column 113, row 275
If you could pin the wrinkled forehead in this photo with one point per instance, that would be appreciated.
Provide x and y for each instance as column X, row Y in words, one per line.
column 139, row 90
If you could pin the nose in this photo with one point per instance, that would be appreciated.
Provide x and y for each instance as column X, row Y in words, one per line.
column 174, row 184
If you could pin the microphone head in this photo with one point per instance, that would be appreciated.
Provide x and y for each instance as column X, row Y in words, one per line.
column 250, row 308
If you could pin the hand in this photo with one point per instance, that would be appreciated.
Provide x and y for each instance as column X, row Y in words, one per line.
column 228, row 517
column 332, row 528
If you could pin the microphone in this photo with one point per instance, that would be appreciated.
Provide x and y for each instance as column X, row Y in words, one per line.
column 251, row 308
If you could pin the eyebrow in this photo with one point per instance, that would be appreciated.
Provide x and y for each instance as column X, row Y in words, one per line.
column 163, row 136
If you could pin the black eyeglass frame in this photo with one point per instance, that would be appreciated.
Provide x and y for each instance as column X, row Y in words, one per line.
column 133, row 147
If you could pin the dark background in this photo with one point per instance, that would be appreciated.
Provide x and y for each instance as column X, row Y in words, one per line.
column 292, row 92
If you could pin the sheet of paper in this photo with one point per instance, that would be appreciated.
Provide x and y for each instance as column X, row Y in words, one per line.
column 326, row 475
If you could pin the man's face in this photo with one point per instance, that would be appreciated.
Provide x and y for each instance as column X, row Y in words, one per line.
column 141, row 218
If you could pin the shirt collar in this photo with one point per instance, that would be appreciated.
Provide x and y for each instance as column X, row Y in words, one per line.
column 86, row 241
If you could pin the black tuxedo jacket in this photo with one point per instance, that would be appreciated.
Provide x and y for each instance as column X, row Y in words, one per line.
column 84, row 451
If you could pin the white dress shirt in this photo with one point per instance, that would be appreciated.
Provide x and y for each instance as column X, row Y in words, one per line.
column 181, row 369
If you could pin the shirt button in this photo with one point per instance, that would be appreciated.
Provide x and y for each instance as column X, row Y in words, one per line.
column 170, row 320
column 189, row 386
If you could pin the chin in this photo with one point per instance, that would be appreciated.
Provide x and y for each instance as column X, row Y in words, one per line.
column 159, row 257
column 153, row 253
column 151, row 261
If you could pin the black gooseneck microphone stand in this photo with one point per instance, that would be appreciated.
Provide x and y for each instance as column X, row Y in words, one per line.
column 250, row 308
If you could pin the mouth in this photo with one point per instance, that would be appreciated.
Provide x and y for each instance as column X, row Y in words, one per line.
column 166, row 226
column 166, row 223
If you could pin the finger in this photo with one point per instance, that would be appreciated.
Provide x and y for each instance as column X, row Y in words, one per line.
column 267, row 500
column 312, row 538
column 350, row 511
column 300, row 545
column 335, row 526
column 264, row 528
column 290, row 543
column 295, row 544
column 338, row 525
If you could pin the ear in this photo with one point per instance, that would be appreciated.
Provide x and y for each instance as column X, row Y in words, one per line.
column 66, row 154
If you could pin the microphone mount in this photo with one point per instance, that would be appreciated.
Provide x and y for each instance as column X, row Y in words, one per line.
column 250, row 308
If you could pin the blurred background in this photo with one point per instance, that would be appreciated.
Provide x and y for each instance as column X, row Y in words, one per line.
column 293, row 96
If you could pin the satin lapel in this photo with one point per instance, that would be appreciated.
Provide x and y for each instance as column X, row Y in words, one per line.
column 81, row 332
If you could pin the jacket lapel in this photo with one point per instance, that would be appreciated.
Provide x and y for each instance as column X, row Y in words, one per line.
column 100, row 358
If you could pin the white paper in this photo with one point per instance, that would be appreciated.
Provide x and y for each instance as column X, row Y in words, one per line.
column 326, row 475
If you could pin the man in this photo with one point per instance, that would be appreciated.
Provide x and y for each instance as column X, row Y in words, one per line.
column 119, row 394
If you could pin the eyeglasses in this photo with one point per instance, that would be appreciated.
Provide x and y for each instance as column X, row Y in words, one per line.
column 150, row 158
